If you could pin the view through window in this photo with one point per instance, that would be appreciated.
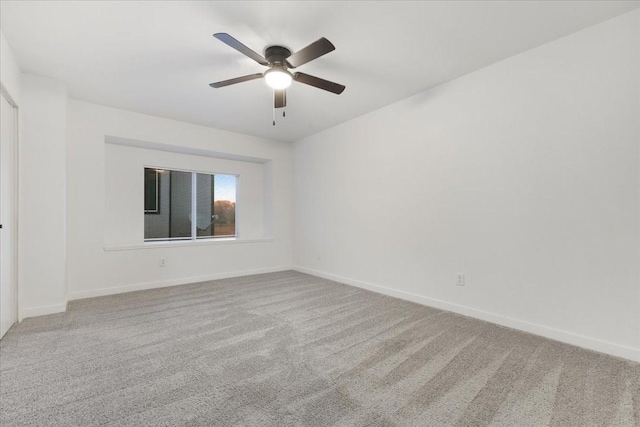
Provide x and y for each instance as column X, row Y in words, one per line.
column 181, row 205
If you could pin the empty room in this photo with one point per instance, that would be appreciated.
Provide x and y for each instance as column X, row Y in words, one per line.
column 320, row 213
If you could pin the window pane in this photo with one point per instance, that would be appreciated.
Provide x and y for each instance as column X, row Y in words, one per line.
column 216, row 205
column 224, row 206
column 151, row 190
column 204, row 205
column 172, row 218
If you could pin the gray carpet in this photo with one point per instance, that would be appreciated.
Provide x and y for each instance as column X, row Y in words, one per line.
column 288, row 349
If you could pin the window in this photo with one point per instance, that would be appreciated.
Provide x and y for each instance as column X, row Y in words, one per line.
column 181, row 205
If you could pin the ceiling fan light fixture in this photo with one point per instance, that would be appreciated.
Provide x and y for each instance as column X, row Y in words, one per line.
column 278, row 78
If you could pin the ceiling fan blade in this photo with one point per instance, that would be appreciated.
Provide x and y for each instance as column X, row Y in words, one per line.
column 319, row 83
column 227, row 39
column 279, row 98
column 236, row 80
column 314, row 50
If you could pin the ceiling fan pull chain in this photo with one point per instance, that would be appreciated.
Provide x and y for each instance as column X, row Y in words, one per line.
column 274, row 110
column 283, row 114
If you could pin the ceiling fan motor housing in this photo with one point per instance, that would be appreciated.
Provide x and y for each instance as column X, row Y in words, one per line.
column 277, row 55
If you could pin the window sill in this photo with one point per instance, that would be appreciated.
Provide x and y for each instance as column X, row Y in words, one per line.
column 183, row 243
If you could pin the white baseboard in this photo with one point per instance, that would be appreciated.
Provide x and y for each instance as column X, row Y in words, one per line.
column 41, row 311
column 173, row 282
column 545, row 331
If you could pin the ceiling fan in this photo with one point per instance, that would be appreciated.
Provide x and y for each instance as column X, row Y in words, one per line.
column 279, row 59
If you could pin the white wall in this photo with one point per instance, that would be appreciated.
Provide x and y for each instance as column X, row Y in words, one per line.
column 523, row 175
column 42, row 197
column 92, row 270
column 9, row 70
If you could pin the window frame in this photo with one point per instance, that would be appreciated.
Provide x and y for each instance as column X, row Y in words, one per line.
column 155, row 211
column 194, row 234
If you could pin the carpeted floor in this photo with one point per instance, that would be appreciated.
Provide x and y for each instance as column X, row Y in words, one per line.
column 288, row 349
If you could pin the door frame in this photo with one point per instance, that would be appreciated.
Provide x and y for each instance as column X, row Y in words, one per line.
column 16, row 294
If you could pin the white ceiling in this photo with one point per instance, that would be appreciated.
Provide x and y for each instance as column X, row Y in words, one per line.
column 159, row 57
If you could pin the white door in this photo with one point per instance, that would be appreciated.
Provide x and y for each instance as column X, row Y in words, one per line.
column 7, row 216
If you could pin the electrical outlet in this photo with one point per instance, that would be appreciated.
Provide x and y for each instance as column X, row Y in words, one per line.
column 460, row 279
column 163, row 262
